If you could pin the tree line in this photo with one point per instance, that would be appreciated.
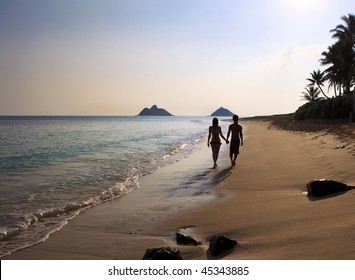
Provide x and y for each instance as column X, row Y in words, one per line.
column 339, row 60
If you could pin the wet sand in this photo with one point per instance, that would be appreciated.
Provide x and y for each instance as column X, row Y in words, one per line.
column 260, row 203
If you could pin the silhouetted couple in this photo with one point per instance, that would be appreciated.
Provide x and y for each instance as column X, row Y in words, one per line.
column 236, row 140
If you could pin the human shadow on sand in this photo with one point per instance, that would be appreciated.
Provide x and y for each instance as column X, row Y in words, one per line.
column 215, row 180
column 200, row 182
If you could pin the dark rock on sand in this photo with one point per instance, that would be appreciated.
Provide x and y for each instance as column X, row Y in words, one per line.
column 164, row 253
column 220, row 244
column 324, row 187
column 184, row 236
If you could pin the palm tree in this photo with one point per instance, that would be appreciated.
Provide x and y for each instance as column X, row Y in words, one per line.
column 311, row 94
column 339, row 58
column 333, row 80
column 318, row 78
column 332, row 73
column 340, row 61
column 345, row 33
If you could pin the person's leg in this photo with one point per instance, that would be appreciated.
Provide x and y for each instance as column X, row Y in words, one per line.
column 233, row 150
column 214, row 155
column 235, row 159
column 236, row 153
column 215, row 151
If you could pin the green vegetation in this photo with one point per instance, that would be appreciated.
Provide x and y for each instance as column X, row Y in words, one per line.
column 335, row 107
column 339, row 74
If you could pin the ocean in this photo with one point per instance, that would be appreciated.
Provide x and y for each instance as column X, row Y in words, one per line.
column 52, row 168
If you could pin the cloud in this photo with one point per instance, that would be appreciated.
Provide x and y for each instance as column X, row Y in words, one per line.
column 291, row 56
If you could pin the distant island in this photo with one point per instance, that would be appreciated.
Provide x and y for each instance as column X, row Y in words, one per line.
column 222, row 112
column 154, row 111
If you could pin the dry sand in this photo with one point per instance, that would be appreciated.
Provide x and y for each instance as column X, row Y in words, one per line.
column 261, row 204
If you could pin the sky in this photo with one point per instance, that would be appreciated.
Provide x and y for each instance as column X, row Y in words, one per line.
column 190, row 57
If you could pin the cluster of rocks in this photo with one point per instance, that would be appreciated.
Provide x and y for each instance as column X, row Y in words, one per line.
column 222, row 244
column 218, row 244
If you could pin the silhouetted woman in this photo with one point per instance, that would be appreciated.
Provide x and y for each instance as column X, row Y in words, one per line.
column 213, row 135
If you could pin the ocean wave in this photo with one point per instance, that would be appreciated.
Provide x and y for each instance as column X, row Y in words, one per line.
column 174, row 151
column 48, row 221
column 188, row 147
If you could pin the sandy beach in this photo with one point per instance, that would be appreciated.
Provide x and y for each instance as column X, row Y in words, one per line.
column 260, row 203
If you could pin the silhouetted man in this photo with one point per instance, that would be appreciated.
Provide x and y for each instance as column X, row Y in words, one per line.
column 237, row 139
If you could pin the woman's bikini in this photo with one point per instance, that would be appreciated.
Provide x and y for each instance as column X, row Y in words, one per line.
column 215, row 138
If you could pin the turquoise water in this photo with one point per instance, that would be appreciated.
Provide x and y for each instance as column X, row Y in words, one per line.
column 51, row 168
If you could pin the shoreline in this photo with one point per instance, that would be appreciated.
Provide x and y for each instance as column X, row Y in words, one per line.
column 161, row 195
column 261, row 204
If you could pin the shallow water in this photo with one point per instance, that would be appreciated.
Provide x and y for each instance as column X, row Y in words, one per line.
column 52, row 168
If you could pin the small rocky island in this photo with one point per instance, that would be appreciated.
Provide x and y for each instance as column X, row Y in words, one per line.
column 154, row 111
column 222, row 112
